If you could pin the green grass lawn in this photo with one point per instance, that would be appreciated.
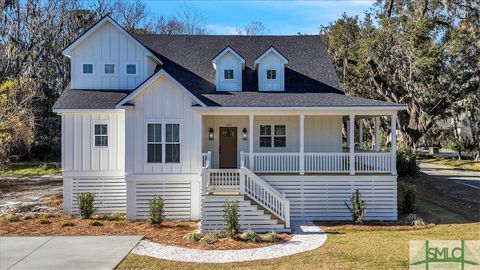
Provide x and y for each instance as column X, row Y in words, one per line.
column 25, row 169
column 344, row 249
column 454, row 163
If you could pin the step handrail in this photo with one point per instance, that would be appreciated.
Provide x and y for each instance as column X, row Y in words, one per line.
column 265, row 195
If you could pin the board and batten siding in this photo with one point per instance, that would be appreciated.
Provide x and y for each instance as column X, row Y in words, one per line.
column 109, row 46
column 229, row 61
column 323, row 197
column 163, row 102
column 271, row 61
column 79, row 155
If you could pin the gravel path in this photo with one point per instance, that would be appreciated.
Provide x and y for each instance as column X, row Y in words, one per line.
column 306, row 236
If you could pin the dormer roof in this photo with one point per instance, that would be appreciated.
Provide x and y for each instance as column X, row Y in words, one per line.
column 268, row 51
column 228, row 49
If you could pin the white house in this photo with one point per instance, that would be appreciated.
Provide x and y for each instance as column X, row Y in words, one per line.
column 200, row 120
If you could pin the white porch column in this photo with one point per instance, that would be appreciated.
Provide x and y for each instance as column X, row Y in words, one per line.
column 360, row 133
column 250, row 143
column 351, row 143
column 393, row 148
column 377, row 134
column 302, row 144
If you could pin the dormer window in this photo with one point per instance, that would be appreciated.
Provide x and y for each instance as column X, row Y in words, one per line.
column 270, row 68
column 228, row 66
column 228, row 74
column 271, row 74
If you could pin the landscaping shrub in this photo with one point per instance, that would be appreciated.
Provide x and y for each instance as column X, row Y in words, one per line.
column 12, row 217
column 156, row 213
column 115, row 216
column 251, row 236
column 209, row 238
column 67, row 223
column 273, row 236
column 119, row 223
column 406, row 163
column 85, row 204
column 95, row 223
column 413, row 220
column 357, row 207
column 43, row 220
column 218, row 234
column 192, row 236
column 409, row 197
column 230, row 218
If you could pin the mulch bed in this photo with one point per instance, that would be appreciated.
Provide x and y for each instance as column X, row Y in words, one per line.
column 335, row 226
column 170, row 232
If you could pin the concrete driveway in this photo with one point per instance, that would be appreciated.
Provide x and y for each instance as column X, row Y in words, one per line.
column 464, row 177
column 65, row 252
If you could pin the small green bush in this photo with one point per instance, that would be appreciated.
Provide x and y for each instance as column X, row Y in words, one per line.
column 119, row 223
column 357, row 207
column 43, row 220
column 218, row 234
column 209, row 238
column 85, row 204
column 115, row 216
column 230, row 218
column 12, row 217
column 409, row 197
column 413, row 220
column 250, row 236
column 406, row 163
column 273, row 236
column 67, row 223
column 95, row 223
column 192, row 236
column 156, row 210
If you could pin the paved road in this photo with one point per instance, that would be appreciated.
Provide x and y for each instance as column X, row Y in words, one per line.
column 464, row 177
column 64, row 252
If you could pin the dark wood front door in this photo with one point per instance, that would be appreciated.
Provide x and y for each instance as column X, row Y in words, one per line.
column 228, row 147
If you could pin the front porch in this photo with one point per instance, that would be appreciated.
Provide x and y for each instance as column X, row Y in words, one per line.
column 301, row 144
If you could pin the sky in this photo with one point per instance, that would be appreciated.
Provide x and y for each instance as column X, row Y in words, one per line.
column 279, row 17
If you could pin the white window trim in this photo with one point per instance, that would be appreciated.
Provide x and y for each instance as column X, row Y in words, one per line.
column 272, row 135
column 101, row 122
column 115, row 67
column 88, row 63
column 163, row 141
column 136, row 69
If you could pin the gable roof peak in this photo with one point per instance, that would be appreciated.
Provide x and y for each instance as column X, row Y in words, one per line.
column 274, row 51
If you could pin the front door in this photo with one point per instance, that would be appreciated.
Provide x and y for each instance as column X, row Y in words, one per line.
column 228, row 147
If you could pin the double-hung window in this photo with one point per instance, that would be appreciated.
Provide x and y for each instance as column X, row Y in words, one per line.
column 101, row 135
column 275, row 135
column 271, row 74
column 163, row 143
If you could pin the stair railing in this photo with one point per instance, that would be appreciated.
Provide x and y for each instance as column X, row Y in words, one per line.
column 265, row 195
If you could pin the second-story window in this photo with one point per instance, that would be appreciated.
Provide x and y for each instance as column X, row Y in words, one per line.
column 109, row 68
column 228, row 74
column 101, row 135
column 87, row 68
column 131, row 69
column 271, row 74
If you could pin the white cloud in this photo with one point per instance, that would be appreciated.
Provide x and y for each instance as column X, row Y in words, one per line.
column 221, row 29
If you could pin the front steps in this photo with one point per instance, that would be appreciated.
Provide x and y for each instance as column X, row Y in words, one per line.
column 251, row 216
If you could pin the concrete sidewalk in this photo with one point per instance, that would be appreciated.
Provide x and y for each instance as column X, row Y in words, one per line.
column 65, row 252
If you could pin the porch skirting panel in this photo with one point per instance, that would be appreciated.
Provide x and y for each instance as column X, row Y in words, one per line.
column 324, row 197
column 110, row 193
column 181, row 195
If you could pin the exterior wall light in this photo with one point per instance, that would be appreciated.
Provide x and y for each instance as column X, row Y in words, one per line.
column 210, row 134
column 244, row 134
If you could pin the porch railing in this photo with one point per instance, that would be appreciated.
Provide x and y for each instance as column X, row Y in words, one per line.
column 364, row 162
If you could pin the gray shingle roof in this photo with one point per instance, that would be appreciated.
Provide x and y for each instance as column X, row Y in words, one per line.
column 89, row 99
column 310, row 78
column 278, row 99
column 189, row 60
